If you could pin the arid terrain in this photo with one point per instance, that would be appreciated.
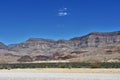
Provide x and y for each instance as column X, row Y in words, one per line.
column 93, row 47
column 60, row 74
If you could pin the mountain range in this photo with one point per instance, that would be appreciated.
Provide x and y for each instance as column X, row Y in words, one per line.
column 93, row 47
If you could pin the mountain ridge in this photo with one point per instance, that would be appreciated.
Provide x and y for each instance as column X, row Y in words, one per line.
column 95, row 46
column 116, row 32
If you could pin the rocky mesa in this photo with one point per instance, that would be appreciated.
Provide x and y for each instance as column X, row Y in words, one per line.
column 93, row 47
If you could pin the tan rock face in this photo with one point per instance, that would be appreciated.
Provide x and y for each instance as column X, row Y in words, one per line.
column 94, row 46
column 98, row 39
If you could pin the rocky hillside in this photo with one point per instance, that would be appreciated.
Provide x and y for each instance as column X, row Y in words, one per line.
column 96, row 39
column 95, row 46
column 3, row 46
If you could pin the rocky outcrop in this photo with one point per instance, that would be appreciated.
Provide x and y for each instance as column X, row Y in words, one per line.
column 3, row 46
column 97, row 39
column 103, row 45
column 94, row 39
column 41, row 58
column 25, row 58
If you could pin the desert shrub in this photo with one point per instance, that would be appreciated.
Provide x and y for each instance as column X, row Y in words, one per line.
column 60, row 65
column 95, row 65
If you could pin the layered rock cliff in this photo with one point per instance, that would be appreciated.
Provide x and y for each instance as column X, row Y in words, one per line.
column 96, row 46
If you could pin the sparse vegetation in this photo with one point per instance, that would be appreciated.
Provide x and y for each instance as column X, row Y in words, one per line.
column 60, row 65
column 95, row 65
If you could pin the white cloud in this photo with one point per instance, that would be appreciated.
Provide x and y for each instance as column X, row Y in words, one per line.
column 65, row 8
column 62, row 12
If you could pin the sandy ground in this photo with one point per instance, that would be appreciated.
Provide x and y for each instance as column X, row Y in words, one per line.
column 66, row 70
column 60, row 74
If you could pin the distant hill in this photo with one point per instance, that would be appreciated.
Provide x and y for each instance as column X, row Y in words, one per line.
column 93, row 47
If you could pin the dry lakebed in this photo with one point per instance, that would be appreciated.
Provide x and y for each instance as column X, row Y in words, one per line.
column 60, row 74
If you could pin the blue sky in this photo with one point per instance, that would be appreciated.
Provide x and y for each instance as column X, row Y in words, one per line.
column 56, row 19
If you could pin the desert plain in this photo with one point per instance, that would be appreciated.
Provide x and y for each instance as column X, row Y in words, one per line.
column 60, row 74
